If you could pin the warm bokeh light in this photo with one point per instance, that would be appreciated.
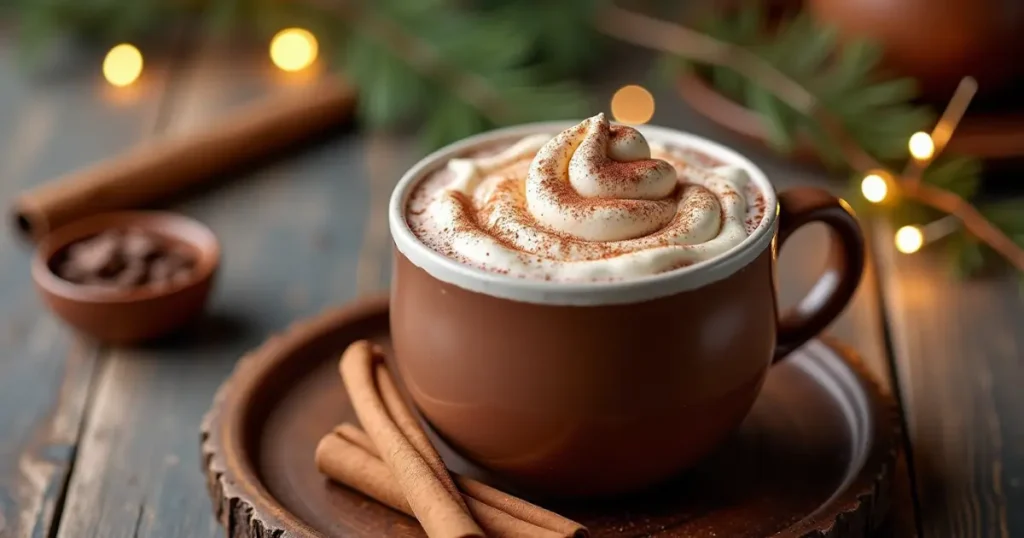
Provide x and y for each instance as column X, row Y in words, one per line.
column 293, row 49
column 922, row 147
column 632, row 104
column 874, row 187
column 122, row 65
column 909, row 239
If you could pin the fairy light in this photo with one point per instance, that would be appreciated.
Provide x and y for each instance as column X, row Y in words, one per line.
column 922, row 147
column 122, row 65
column 909, row 239
column 874, row 187
column 293, row 49
column 632, row 104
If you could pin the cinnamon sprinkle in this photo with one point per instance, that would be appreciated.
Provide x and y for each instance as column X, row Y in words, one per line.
column 481, row 216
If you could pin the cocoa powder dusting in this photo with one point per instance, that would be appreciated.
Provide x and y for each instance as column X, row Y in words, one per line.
column 757, row 210
column 504, row 226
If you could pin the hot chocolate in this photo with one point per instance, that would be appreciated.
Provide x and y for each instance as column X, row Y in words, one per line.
column 602, row 365
column 594, row 202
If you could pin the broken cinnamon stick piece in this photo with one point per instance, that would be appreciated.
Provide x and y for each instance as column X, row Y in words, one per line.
column 480, row 492
column 442, row 514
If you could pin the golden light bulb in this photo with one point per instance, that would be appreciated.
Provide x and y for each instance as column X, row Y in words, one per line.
column 909, row 239
column 293, row 49
column 632, row 104
column 922, row 147
column 122, row 65
column 874, row 188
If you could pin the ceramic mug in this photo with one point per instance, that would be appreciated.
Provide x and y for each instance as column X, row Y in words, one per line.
column 593, row 389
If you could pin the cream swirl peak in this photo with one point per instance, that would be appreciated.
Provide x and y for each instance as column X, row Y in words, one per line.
column 599, row 183
column 594, row 202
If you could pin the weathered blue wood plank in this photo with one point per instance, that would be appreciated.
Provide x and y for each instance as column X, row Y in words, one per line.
column 47, row 128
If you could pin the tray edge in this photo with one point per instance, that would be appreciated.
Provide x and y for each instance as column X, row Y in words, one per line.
column 868, row 508
column 235, row 513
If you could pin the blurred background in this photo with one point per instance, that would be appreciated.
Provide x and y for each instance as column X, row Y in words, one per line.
column 440, row 70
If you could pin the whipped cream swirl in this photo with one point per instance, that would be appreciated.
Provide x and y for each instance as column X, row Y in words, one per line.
column 598, row 183
column 588, row 204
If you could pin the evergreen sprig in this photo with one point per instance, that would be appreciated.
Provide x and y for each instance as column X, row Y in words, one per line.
column 466, row 71
column 562, row 37
column 879, row 114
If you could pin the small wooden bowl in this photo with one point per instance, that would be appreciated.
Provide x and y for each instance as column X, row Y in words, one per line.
column 119, row 316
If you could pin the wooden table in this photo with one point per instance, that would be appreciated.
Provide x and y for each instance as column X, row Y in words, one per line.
column 102, row 442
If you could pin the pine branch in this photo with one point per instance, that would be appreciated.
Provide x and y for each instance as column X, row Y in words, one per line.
column 681, row 41
column 470, row 66
column 974, row 220
column 877, row 115
column 560, row 34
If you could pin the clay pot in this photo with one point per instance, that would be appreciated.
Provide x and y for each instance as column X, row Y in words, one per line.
column 937, row 42
column 127, row 316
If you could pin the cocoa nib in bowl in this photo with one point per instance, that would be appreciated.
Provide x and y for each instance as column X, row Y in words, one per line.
column 125, row 259
column 128, row 276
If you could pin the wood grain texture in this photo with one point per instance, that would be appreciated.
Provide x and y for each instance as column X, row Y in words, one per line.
column 48, row 126
column 959, row 348
column 290, row 234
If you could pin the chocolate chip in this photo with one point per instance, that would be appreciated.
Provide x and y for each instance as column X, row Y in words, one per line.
column 127, row 259
column 114, row 266
column 71, row 272
column 138, row 245
column 94, row 255
column 133, row 274
column 160, row 270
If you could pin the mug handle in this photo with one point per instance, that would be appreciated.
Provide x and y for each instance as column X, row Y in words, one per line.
column 842, row 275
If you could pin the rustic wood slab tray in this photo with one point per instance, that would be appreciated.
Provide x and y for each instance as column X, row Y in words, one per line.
column 814, row 458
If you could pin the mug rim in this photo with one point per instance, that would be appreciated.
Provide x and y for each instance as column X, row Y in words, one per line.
column 537, row 291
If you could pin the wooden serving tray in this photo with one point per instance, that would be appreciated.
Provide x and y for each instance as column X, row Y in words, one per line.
column 814, row 458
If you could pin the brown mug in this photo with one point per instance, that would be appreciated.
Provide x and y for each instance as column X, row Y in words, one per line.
column 602, row 388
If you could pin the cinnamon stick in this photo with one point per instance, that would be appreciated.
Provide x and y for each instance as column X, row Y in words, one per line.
column 349, row 462
column 442, row 513
column 474, row 491
column 410, row 428
column 161, row 168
